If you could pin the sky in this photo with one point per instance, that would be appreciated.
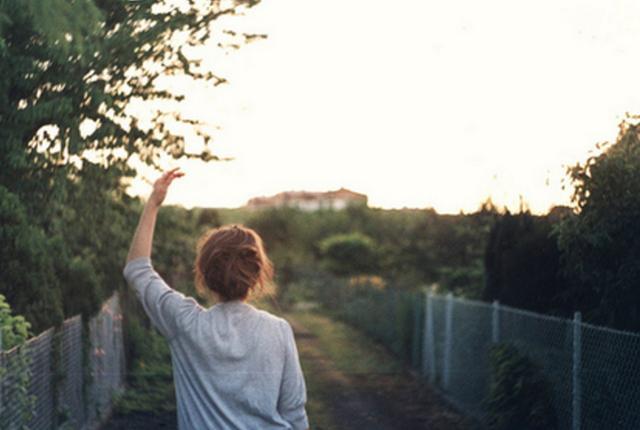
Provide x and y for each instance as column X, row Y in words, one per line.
column 418, row 104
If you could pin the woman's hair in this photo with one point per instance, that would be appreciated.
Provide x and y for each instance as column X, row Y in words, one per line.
column 231, row 262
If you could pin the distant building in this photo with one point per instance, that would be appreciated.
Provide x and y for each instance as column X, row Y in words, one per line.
column 310, row 201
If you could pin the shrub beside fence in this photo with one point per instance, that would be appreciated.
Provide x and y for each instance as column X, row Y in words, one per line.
column 63, row 392
column 593, row 372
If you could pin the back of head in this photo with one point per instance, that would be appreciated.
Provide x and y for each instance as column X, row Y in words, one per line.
column 231, row 262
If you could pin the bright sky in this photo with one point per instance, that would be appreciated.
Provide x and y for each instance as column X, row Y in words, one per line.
column 416, row 103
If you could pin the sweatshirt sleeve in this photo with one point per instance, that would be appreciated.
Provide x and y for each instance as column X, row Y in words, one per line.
column 168, row 310
column 293, row 392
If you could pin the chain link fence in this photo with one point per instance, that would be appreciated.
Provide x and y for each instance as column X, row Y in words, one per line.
column 593, row 372
column 62, row 391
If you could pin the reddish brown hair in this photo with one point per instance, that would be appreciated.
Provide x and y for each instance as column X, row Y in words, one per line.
column 231, row 262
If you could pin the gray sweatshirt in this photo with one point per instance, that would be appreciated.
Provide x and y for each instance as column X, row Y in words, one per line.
column 234, row 366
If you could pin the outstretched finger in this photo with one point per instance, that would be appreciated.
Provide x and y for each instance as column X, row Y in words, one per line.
column 174, row 173
column 170, row 174
column 174, row 176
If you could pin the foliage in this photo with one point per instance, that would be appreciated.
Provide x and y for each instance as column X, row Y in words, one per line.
column 463, row 280
column 15, row 328
column 599, row 245
column 349, row 254
column 207, row 218
column 459, row 244
column 85, row 93
column 412, row 247
column 150, row 382
column 27, row 279
column 175, row 246
column 522, row 263
column 85, row 62
column 70, row 73
column 14, row 331
column 278, row 228
column 519, row 396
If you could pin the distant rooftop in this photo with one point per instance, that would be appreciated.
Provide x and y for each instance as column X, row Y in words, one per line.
column 309, row 200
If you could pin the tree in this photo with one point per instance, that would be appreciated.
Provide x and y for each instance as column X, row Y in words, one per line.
column 85, row 74
column 27, row 279
column 599, row 245
column 69, row 73
column 67, row 81
column 522, row 263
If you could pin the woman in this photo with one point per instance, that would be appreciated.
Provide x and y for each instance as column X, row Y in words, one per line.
column 234, row 366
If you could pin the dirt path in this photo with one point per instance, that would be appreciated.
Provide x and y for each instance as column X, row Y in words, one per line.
column 375, row 401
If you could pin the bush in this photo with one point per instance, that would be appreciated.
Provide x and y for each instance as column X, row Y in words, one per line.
column 350, row 254
column 14, row 329
column 150, row 378
column 14, row 332
column 519, row 395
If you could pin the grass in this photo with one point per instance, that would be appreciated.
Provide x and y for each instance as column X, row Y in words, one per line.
column 336, row 347
column 348, row 348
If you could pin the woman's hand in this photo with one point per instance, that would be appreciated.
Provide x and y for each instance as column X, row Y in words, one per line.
column 161, row 186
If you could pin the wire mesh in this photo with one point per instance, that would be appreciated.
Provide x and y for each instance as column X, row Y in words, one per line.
column 70, row 391
column 40, row 384
column 32, row 360
column 610, row 370
column 56, row 384
column 386, row 316
column 106, row 359
column 595, row 385
column 548, row 342
column 469, row 359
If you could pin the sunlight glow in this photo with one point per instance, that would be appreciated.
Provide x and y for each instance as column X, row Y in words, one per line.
column 414, row 103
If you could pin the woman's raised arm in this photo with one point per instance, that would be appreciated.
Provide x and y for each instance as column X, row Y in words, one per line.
column 143, row 237
column 168, row 309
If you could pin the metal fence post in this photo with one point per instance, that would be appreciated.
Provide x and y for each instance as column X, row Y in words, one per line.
column 425, row 334
column 577, row 364
column 432, row 343
column 429, row 341
column 495, row 322
column 448, row 340
column 416, row 335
